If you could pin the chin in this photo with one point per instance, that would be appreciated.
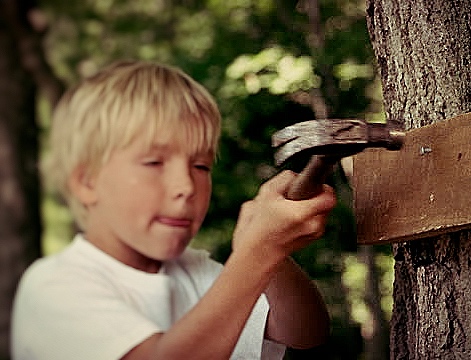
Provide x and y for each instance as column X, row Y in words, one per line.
column 175, row 251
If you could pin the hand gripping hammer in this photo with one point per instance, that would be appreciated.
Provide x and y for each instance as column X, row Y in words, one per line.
column 325, row 142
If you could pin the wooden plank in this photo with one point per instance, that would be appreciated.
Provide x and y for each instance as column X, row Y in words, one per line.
column 420, row 191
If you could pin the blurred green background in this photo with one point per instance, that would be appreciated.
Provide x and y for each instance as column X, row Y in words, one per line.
column 269, row 63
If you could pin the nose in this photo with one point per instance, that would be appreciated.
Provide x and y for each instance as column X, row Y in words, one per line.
column 181, row 182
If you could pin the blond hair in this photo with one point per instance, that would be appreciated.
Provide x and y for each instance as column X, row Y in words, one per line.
column 126, row 99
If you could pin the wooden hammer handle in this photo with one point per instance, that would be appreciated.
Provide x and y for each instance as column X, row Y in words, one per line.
column 311, row 179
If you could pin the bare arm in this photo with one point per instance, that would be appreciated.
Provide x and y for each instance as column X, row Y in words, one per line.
column 298, row 316
column 217, row 320
column 269, row 229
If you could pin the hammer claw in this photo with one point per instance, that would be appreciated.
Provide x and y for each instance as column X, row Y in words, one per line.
column 329, row 141
column 321, row 131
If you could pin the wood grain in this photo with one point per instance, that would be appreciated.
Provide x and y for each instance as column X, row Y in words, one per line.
column 420, row 191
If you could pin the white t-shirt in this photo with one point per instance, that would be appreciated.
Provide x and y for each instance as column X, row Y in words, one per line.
column 83, row 304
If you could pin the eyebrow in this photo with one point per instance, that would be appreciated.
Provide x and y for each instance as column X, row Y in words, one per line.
column 165, row 147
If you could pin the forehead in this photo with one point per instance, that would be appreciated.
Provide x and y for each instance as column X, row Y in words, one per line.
column 190, row 139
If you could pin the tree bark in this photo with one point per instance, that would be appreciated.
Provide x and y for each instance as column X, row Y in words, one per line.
column 423, row 49
column 20, row 227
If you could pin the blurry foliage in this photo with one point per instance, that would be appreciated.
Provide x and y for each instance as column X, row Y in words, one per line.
column 354, row 279
column 274, row 69
column 257, row 58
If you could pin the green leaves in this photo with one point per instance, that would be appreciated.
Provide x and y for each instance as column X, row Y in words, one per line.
column 274, row 69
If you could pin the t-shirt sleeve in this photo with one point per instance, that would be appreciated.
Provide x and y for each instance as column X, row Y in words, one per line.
column 61, row 319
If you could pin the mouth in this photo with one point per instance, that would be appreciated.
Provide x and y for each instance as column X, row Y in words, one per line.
column 175, row 222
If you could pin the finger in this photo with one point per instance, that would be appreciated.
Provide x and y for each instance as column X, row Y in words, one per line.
column 320, row 204
column 279, row 183
column 326, row 200
column 315, row 227
column 246, row 210
column 313, row 231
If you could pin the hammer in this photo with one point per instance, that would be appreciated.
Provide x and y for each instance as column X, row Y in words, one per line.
column 324, row 143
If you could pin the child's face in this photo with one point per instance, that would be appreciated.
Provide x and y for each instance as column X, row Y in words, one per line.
column 148, row 204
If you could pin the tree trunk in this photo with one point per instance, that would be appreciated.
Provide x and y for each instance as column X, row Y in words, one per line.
column 423, row 50
column 20, row 228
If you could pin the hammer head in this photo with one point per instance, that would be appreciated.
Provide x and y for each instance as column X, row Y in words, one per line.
column 338, row 138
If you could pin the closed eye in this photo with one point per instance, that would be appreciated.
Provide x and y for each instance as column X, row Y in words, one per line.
column 152, row 163
column 203, row 167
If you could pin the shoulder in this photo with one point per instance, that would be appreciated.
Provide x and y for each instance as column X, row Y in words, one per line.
column 73, row 280
column 76, row 295
column 51, row 281
column 40, row 275
column 67, row 268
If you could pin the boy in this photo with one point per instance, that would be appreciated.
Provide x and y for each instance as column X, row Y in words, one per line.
column 132, row 151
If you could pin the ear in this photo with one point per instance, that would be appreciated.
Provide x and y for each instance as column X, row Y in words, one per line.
column 82, row 185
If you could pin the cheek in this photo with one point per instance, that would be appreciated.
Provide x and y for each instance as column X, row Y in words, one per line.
column 127, row 192
column 128, row 180
column 204, row 198
column 206, row 188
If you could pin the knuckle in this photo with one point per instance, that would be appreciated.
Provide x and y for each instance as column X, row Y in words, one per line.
column 247, row 205
column 298, row 218
column 315, row 227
